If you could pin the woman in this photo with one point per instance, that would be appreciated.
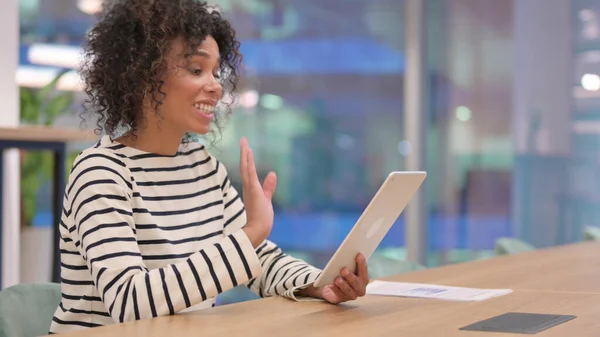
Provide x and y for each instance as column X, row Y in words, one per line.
column 151, row 224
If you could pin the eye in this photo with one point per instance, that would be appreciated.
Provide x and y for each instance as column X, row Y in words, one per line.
column 196, row 71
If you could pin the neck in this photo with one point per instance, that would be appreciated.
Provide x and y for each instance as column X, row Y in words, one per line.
column 150, row 137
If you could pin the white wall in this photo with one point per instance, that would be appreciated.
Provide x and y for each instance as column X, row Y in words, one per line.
column 9, row 116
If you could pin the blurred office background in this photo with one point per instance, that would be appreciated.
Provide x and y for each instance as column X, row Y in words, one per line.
column 510, row 125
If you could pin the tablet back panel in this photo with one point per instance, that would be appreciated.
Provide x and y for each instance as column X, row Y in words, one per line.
column 372, row 226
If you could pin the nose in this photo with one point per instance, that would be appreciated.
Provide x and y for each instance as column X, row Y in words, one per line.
column 213, row 87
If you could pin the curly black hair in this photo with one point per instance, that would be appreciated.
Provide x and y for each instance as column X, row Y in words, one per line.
column 124, row 56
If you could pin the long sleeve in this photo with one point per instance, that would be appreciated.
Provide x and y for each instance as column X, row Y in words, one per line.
column 105, row 235
column 282, row 274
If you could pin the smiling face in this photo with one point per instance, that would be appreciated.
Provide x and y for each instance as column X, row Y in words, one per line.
column 192, row 87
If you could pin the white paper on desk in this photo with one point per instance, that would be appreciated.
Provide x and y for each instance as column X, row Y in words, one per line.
column 401, row 289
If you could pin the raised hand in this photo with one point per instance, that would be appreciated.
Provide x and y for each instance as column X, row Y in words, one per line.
column 257, row 198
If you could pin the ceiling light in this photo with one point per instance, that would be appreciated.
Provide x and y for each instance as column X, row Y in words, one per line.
column 90, row 7
column 590, row 82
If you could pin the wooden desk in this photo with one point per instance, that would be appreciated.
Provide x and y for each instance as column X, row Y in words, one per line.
column 369, row 316
column 554, row 281
column 45, row 134
column 49, row 139
column 570, row 268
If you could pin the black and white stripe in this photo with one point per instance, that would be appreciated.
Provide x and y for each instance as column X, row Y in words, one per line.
column 145, row 235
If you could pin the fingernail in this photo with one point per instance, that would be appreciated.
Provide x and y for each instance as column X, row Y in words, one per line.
column 338, row 280
column 345, row 272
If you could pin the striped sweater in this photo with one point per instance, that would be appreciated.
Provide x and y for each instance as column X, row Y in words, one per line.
column 146, row 235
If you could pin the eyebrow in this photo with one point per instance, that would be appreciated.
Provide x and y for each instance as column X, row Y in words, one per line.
column 204, row 54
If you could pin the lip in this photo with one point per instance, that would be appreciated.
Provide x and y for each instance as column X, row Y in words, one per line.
column 204, row 116
column 207, row 101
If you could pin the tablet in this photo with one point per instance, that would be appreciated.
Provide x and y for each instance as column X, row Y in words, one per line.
column 374, row 223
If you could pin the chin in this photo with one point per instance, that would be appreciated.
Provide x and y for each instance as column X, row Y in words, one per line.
column 201, row 130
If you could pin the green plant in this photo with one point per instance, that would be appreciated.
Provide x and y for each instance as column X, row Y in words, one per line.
column 39, row 107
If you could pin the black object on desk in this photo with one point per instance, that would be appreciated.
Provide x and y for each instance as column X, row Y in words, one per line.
column 60, row 157
column 517, row 322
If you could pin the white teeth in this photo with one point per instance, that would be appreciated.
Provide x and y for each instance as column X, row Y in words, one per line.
column 204, row 108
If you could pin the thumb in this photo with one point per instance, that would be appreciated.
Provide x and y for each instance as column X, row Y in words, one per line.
column 269, row 185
